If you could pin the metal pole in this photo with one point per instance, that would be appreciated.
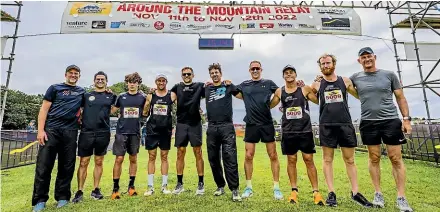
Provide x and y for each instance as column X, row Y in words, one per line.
column 11, row 59
column 419, row 65
column 395, row 47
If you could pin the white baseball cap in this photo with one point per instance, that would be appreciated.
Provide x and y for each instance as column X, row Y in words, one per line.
column 161, row 76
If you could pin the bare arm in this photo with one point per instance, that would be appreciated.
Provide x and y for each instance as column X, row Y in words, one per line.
column 239, row 96
column 401, row 101
column 173, row 97
column 42, row 115
column 276, row 98
column 114, row 109
column 146, row 110
column 315, row 87
column 350, row 87
column 310, row 95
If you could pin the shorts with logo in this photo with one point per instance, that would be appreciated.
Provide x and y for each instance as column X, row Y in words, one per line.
column 186, row 133
column 337, row 135
column 255, row 133
column 389, row 131
column 291, row 143
column 126, row 143
column 161, row 139
column 93, row 142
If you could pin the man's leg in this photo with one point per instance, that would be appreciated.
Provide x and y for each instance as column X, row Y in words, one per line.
column 213, row 146
column 180, row 162
column 350, row 166
column 271, row 149
column 327, row 166
column 97, row 172
column 229, row 155
column 132, row 171
column 292, row 171
column 395, row 155
column 151, row 166
column 311, row 170
column 249, row 161
column 119, row 150
column 81, row 175
column 117, row 170
column 374, row 165
column 164, row 170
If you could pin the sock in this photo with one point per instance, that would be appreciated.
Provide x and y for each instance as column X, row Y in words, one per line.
column 115, row 184
column 276, row 185
column 131, row 181
column 180, row 178
column 164, row 180
column 151, row 180
column 295, row 189
column 249, row 184
column 201, row 179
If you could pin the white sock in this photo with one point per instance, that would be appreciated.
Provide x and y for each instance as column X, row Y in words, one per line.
column 249, row 184
column 164, row 180
column 151, row 180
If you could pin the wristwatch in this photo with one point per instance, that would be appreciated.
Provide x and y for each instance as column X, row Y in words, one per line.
column 407, row 118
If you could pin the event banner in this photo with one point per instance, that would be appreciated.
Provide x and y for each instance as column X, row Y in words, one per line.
column 146, row 17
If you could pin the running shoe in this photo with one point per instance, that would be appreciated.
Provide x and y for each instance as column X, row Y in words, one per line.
column 78, row 197
column 403, row 205
column 378, row 200
column 149, row 191
column 277, row 194
column 165, row 190
column 62, row 203
column 132, row 191
column 179, row 189
column 39, row 207
column 219, row 191
column 236, row 196
column 247, row 193
column 317, row 198
column 96, row 194
column 200, row 189
column 293, row 198
column 361, row 200
column 331, row 200
column 116, row 194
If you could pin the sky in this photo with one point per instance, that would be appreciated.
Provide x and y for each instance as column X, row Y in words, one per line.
column 40, row 60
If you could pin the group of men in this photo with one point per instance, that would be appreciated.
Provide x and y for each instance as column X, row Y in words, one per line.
column 67, row 108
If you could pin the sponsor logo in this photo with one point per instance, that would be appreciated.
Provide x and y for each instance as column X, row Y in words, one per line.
column 227, row 26
column 117, row 24
column 91, row 8
column 76, row 24
column 175, row 25
column 92, row 98
column 267, row 25
column 198, row 27
column 159, row 25
column 335, row 22
column 66, row 92
column 140, row 24
column 331, row 10
column 98, row 24
column 282, row 25
column 307, row 26
column 247, row 26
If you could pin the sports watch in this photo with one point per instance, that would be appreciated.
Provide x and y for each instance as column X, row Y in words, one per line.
column 407, row 118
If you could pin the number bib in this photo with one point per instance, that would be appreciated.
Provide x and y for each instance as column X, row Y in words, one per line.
column 294, row 113
column 131, row 112
column 159, row 109
column 333, row 96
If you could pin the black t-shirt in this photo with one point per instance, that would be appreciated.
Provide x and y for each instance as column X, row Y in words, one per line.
column 65, row 109
column 188, row 102
column 219, row 103
column 131, row 107
column 96, row 111
column 256, row 97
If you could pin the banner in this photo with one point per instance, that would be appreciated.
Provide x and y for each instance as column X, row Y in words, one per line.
column 146, row 17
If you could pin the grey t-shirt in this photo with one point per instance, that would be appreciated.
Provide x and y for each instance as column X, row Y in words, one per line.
column 376, row 94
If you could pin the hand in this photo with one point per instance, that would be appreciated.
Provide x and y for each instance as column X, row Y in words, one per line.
column 108, row 90
column 41, row 137
column 208, row 83
column 281, row 109
column 227, row 82
column 318, row 78
column 152, row 90
column 300, row 83
column 406, row 127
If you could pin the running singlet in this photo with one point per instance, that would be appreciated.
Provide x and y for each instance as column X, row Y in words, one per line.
column 131, row 107
column 333, row 105
column 96, row 111
column 160, row 113
column 66, row 101
column 296, row 113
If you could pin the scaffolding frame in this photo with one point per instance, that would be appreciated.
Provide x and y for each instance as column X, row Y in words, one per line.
column 18, row 4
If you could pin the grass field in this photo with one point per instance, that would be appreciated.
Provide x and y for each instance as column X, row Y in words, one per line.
column 423, row 191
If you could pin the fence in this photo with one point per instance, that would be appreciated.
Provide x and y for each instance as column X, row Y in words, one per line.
column 13, row 140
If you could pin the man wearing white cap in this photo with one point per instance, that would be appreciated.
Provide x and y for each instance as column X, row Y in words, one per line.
column 159, row 128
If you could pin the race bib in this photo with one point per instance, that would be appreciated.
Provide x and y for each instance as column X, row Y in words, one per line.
column 131, row 112
column 333, row 96
column 159, row 109
column 294, row 113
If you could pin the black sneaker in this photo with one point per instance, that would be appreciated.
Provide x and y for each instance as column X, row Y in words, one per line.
column 361, row 200
column 78, row 197
column 96, row 194
column 331, row 200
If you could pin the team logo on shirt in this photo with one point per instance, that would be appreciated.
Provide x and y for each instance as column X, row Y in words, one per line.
column 92, row 98
column 187, row 89
column 217, row 94
column 66, row 92
column 159, row 109
column 131, row 112
column 294, row 113
column 333, row 96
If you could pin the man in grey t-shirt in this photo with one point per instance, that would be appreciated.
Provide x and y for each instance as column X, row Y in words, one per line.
column 380, row 122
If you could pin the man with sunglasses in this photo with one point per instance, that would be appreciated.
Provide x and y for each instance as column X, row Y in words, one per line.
column 58, row 124
column 256, row 94
column 95, row 134
column 188, row 126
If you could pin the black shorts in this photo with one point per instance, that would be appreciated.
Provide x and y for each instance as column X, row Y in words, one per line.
column 255, row 133
column 160, row 139
column 291, row 143
column 334, row 136
column 374, row 132
column 188, row 133
column 90, row 142
column 126, row 143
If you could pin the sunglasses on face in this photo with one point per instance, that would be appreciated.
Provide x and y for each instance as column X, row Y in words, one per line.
column 255, row 69
column 100, row 80
column 186, row 74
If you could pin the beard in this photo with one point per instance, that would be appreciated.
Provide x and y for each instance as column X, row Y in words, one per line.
column 328, row 71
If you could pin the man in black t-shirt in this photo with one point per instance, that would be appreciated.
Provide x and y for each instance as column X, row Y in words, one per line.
column 95, row 133
column 127, row 138
column 188, row 127
column 221, row 140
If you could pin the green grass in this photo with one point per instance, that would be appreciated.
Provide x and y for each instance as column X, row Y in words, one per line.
column 422, row 186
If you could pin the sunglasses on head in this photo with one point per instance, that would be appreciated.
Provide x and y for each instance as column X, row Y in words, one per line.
column 255, row 69
column 186, row 74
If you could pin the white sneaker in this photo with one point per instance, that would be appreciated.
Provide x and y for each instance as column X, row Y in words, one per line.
column 149, row 191
column 165, row 190
column 179, row 189
column 200, row 189
column 378, row 201
column 403, row 205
